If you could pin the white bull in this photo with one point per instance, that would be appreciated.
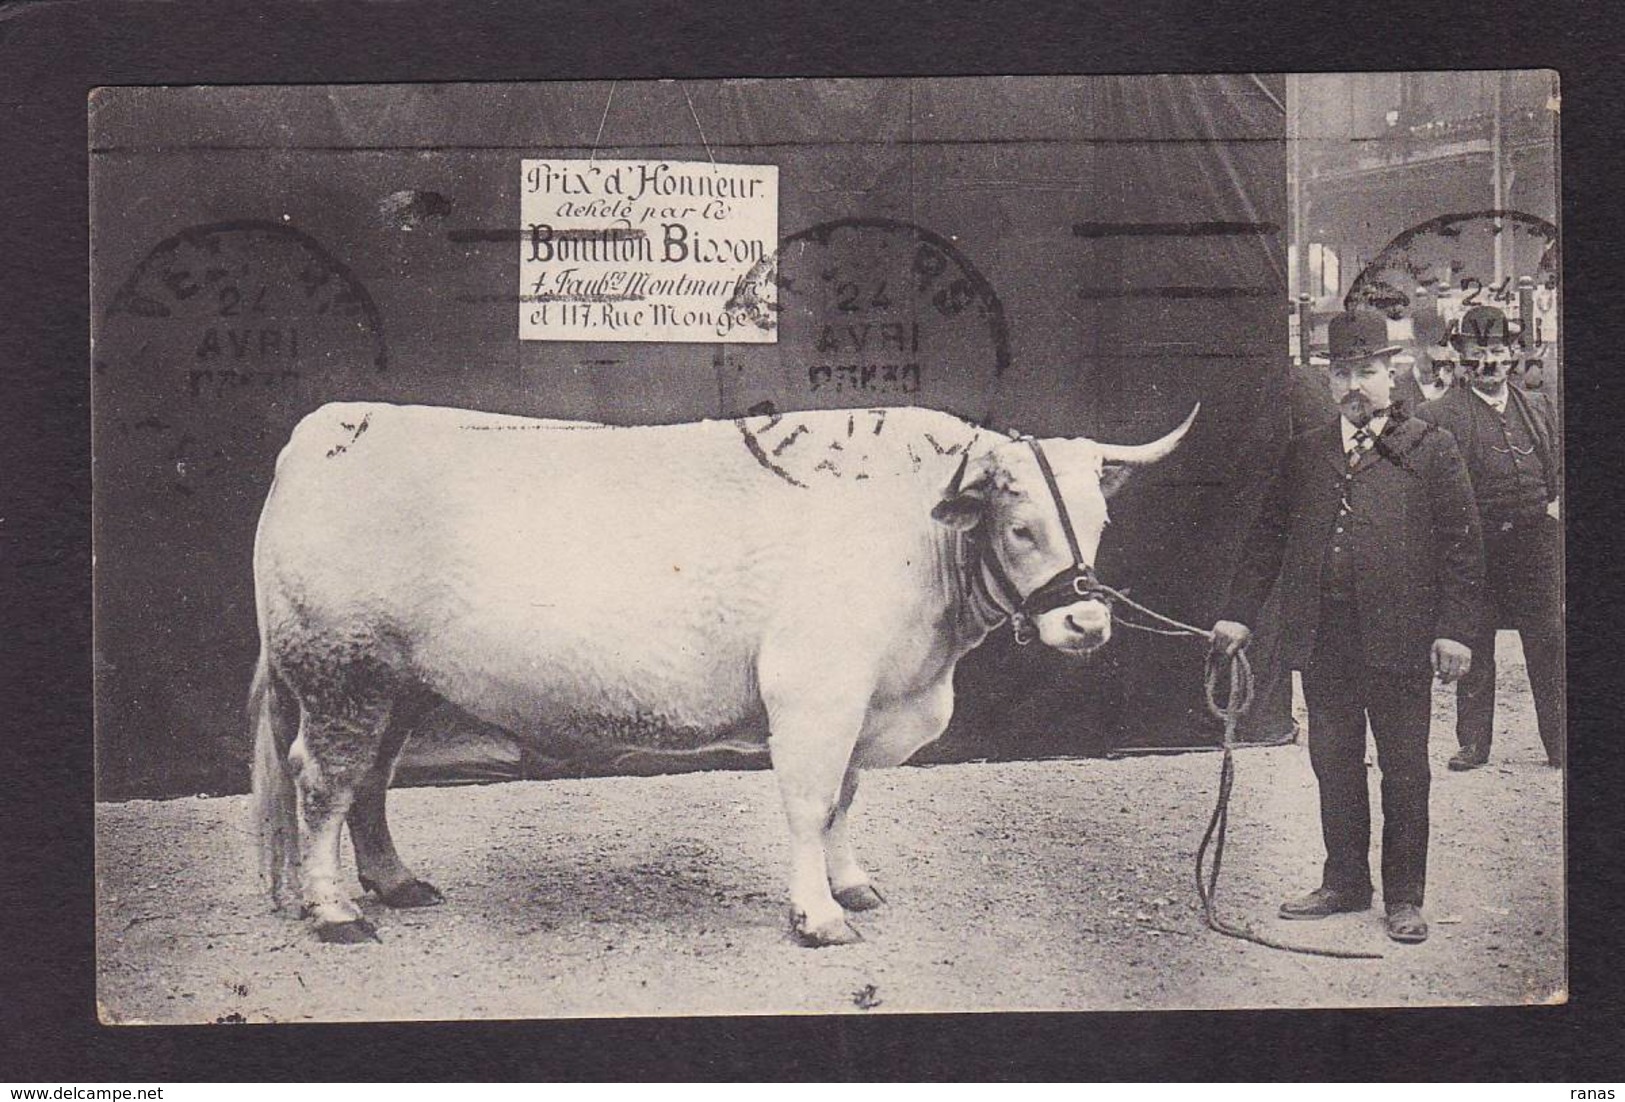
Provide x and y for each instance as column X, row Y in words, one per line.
column 664, row 588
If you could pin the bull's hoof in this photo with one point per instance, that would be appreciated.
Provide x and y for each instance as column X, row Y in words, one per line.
column 353, row 932
column 412, row 893
column 859, row 897
column 835, row 932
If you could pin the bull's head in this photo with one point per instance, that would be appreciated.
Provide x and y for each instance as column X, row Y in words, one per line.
column 1039, row 529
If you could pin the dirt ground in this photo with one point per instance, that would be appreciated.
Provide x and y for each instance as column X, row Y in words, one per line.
column 1054, row 885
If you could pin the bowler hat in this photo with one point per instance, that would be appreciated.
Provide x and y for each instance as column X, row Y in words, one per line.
column 1486, row 327
column 1358, row 335
column 1428, row 328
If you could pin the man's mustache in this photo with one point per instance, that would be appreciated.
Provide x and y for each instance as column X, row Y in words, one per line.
column 1355, row 402
column 1361, row 411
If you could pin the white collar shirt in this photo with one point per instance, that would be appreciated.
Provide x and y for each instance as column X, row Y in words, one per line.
column 1498, row 403
column 1373, row 426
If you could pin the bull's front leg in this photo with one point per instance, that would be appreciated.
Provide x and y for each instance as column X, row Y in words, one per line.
column 847, row 879
column 890, row 736
column 811, row 747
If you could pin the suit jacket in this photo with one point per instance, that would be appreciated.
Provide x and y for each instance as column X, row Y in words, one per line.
column 1417, row 556
column 1457, row 411
column 1408, row 393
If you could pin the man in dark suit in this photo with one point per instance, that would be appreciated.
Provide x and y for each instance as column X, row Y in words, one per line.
column 1508, row 436
column 1432, row 369
column 1369, row 529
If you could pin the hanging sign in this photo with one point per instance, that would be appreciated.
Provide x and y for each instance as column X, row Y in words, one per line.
column 648, row 251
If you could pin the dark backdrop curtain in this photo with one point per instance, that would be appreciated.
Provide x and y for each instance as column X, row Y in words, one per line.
column 1123, row 237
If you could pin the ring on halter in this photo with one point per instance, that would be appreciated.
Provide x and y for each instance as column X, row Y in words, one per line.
column 1075, row 582
column 1085, row 585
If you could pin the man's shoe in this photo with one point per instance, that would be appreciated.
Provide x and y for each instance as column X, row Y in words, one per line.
column 1469, row 757
column 1405, row 923
column 1324, row 902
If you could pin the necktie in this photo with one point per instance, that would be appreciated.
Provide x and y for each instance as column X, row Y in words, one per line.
column 1358, row 446
column 1361, row 444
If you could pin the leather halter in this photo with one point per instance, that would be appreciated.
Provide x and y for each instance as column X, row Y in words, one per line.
column 1073, row 583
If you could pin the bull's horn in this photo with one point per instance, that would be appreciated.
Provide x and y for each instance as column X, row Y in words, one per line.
column 1136, row 454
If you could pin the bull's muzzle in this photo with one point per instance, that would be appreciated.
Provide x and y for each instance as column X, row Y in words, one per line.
column 1076, row 628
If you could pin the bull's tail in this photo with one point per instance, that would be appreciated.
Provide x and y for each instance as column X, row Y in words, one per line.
column 276, row 812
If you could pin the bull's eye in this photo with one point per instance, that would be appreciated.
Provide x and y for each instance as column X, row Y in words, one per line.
column 1023, row 534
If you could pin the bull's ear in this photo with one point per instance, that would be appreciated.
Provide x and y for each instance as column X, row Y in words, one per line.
column 965, row 499
column 1113, row 476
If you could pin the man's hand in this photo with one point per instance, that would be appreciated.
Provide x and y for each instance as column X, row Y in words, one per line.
column 1229, row 637
column 1451, row 660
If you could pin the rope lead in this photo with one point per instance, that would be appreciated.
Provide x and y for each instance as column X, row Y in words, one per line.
column 1236, row 703
column 1240, row 698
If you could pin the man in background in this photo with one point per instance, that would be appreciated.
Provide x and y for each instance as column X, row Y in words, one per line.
column 1508, row 436
column 1432, row 370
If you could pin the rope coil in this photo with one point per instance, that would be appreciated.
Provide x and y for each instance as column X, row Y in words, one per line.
column 1237, row 701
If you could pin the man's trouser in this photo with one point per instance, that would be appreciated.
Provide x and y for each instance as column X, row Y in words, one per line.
column 1523, row 576
column 1342, row 692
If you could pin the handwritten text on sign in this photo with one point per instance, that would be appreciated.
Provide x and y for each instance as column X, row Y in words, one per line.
column 646, row 251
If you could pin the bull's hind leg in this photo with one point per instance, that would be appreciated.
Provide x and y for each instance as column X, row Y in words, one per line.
column 379, row 868
column 335, row 750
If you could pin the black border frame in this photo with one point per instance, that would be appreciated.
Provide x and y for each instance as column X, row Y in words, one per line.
column 52, row 53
